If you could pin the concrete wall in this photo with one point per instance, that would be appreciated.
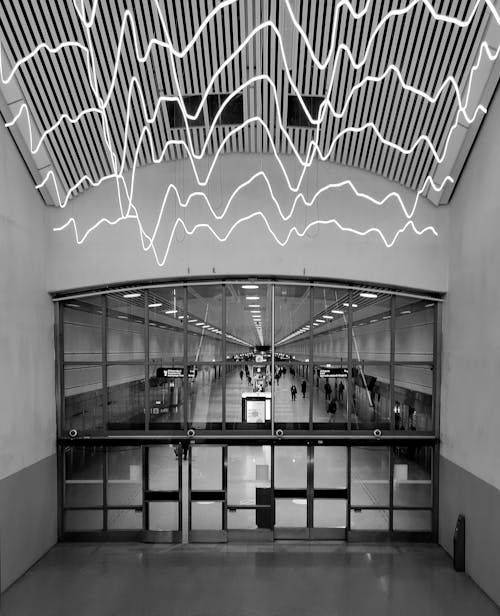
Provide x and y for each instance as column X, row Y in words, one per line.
column 28, row 424
column 470, row 417
column 115, row 252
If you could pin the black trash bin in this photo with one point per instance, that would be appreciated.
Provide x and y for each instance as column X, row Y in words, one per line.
column 459, row 544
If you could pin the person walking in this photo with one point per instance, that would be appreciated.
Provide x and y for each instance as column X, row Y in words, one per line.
column 293, row 391
column 303, row 388
column 328, row 391
column 341, row 390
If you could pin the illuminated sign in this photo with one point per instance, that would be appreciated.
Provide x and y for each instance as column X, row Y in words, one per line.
column 175, row 373
column 330, row 373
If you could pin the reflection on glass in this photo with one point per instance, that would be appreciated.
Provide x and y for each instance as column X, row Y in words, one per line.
column 414, row 329
column 205, row 385
column 83, row 396
column 248, row 474
column 371, row 331
column 82, row 519
column 248, row 519
column 82, row 322
column 412, row 476
column 420, row 520
column 329, row 513
column 84, row 477
column 163, row 516
column 206, row 515
column 290, row 467
column 330, row 396
column 124, row 476
column 124, row 519
column 413, row 398
column 292, row 407
column 291, row 512
column 166, row 399
column 370, row 476
column 248, row 392
column 204, row 314
column 369, row 519
column 166, row 327
column 126, row 397
column 163, row 468
column 329, row 326
column 330, row 467
column 206, row 467
column 371, row 397
column 125, row 326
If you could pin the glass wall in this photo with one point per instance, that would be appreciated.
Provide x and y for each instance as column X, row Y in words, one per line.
column 249, row 355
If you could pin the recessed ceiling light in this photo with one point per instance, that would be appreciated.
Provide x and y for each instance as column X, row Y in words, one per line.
column 252, row 298
column 200, row 323
column 387, row 316
column 327, row 316
column 337, row 312
column 373, row 320
column 347, row 305
column 131, row 295
column 174, row 311
column 204, row 326
column 254, row 305
column 157, row 305
column 192, row 320
column 320, row 320
column 405, row 312
column 73, row 305
column 369, row 295
column 426, row 305
column 181, row 316
column 122, row 316
column 249, row 286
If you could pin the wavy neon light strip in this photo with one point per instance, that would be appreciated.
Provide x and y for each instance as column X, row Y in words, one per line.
column 322, row 110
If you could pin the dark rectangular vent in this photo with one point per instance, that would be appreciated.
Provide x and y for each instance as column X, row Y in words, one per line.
column 232, row 113
column 175, row 116
column 296, row 115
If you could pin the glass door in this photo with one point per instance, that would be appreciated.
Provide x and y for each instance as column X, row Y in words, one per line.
column 162, row 493
column 310, row 492
column 249, row 495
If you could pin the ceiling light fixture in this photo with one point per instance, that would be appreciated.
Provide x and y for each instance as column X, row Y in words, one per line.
column 337, row 312
column 157, row 305
column 368, row 295
column 249, row 286
column 252, row 298
column 131, row 295
column 173, row 311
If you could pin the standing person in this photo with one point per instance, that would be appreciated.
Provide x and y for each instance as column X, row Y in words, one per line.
column 328, row 390
column 241, row 375
column 332, row 409
column 303, row 388
column 293, row 391
column 341, row 390
column 335, row 390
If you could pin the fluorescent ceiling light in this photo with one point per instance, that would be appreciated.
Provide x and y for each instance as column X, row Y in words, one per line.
column 171, row 311
column 122, row 316
column 337, row 312
column 353, row 305
column 192, row 320
column 249, row 286
column 154, row 305
column 204, row 326
column 369, row 295
column 405, row 312
column 254, row 305
column 130, row 295
column 373, row 320
column 181, row 316
column 73, row 305
column 320, row 320
column 426, row 305
column 327, row 316
column 200, row 323
column 387, row 316
column 252, row 298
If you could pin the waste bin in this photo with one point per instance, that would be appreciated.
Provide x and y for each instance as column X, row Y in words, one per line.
column 459, row 544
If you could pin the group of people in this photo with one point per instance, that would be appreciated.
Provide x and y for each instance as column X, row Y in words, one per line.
column 303, row 389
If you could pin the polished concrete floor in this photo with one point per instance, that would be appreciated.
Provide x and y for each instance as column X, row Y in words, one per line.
column 301, row 579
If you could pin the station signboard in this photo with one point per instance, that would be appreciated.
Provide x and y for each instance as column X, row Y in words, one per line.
column 333, row 373
column 175, row 373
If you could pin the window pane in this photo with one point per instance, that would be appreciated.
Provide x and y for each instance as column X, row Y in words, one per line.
column 412, row 520
column 83, row 408
column 248, row 319
column 369, row 476
column 126, row 397
column 330, row 467
column 412, row 476
column 166, row 326
column 290, row 466
column 163, row 468
column 413, row 398
column 370, row 519
column 205, row 396
column 83, row 519
column 414, row 329
column 248, row 474
column 291, row 512
column 371, row 331
column 204, row 323
column 371, row 397
column 206, row 515
column 125, row 323
column 206, row 467
column 124, row 519
column 329, row 513
column 246, row 519
column 248, row 392
column 124, row 476
column 166, row 399
column 84, row 473
column 82, row 321
column 163, row 516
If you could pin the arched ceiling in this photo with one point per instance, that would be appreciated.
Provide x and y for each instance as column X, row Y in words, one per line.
column 100, row 79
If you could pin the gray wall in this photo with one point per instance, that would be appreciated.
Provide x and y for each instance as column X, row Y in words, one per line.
column 470, row 420
column 27, row 412
column 28, row 518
